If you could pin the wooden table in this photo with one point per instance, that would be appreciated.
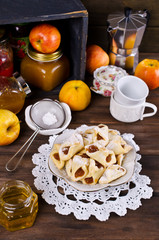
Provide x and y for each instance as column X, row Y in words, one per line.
column 142, row 223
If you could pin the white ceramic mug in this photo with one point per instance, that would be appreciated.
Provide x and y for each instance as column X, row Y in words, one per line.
column 130, row 113
column 131, row 90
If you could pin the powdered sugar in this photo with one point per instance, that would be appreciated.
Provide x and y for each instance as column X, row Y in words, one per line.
column 79, row 160
column 49, row 118
column 75, row 138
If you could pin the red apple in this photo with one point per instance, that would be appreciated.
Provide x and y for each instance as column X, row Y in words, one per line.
column 45, row 38
column 95, row 57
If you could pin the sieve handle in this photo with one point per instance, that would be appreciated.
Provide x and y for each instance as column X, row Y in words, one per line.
column 29, row 142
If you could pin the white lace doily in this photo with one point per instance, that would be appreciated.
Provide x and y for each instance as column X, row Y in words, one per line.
column 84, row 204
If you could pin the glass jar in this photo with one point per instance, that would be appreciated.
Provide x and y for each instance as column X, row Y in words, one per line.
column 45, row 71
column 13, row 92
column 6, row 58
column 18, row 205
column 19, row 40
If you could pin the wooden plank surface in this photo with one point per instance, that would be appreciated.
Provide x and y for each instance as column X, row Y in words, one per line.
column 98, row 12
column 19, row 11
column 98, row 35
column 137, row 225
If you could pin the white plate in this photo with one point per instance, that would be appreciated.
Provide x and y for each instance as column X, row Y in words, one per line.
column 128, row 163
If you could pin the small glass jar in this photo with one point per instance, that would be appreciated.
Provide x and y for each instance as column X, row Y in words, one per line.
column 19, row 40
column 45, row 71
column 13, row 92
column 18, row 205
column 6, row 58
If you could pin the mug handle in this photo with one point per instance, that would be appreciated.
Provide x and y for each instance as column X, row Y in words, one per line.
column 150, row 105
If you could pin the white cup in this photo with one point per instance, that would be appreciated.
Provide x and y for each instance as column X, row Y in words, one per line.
column 131, row 90
column 130, row 113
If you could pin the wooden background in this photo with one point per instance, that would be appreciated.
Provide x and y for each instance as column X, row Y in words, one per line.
column 99, row 10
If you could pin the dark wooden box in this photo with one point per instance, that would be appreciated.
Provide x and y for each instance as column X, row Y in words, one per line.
column 70, row 16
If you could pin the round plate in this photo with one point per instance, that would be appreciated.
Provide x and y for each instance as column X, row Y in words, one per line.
column 128, row 163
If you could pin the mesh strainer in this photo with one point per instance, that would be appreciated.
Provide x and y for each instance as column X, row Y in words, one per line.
column 45, row 114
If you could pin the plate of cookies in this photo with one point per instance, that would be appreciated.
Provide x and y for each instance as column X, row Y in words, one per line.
column 91, row 158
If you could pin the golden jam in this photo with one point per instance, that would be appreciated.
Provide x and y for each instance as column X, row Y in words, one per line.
column 18, row 205
column 45, row 71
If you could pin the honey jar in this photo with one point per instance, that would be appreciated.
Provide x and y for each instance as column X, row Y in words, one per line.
column 45, row 71
column 18, row 205
column 13, row 92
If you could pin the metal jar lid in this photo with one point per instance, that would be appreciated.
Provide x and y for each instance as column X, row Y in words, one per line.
column 43, row 57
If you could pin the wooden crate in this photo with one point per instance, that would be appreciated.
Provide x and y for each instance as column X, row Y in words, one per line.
column 70, row 16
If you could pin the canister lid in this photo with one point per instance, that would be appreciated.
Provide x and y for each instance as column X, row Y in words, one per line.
column 43, row 57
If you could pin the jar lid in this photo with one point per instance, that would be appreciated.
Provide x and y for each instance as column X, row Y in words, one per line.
column 43, row 57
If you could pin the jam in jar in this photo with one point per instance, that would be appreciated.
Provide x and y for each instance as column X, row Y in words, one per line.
column 18, row 205
column 19, row 40
column 45, row 71
column 6, row 58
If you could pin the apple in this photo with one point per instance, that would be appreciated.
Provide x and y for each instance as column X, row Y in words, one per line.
column 148, row 71
column 9, row 127
column 95, row 57
column 76, row 94
column 45, row 38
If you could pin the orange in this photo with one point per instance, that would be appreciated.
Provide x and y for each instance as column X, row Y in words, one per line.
column 112, row 54
column 129, row 44
column 76, row 94
column 129, row 63
column 130, row 41
column 148, row 71
column 95, row 57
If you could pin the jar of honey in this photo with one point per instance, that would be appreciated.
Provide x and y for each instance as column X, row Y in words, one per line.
column 6, row 57
column 13, row 92
column 18, row 205
column 45, row 71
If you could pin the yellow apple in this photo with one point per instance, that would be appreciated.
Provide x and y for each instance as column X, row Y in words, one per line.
column 76, row 94
column 9, row 127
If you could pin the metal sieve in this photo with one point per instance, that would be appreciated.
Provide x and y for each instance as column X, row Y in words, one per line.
column 37, row 113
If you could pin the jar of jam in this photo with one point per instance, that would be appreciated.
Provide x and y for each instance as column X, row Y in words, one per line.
column 45, row 71
column 13, row 92
column 6, row 57
column 19, row 40
column 18, row 205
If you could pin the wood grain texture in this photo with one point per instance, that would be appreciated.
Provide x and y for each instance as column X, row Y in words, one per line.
column 137, row 225
column 39, row 10
column 98, row 12
column 98, row 35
